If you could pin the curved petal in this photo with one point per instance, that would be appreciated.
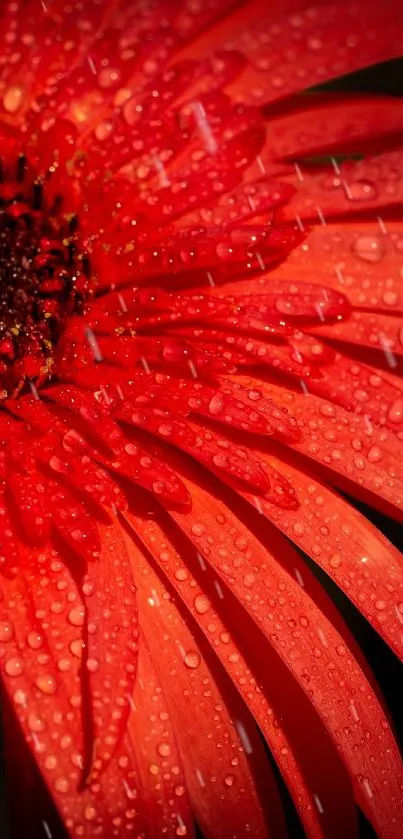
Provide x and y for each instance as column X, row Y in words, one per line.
column 154, row 742
column 309, row 781
column 345, row 544
column 218, row 550
column 340, row 444
column 333, row 124
column 224, row 791
column 322, row 41
column 364, row 186
column 361, row 259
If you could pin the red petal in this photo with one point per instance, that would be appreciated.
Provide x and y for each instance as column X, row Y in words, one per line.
column 342, row 542
column 334, row 124
column 205, row 446
column 110, row 615
column 322, row 41
column 373, row 183
column 217, row 547
column 232, row 803
column 362, row 260
column 41, row 665
column 369, row 332
column 285, row 739
column 292, row 300
column 346, row 446
column 153, row 738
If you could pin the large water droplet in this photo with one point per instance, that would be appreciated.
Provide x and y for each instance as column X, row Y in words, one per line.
column 35, row 640
column 216, row 404
column 202, row 604
column 164, row 749
column 395, row 413
column 77, row 647
column 369, row 248
column 6, row 631
column 46, row 684
column 51, row 762
column 374, row 454
column 360, row 190
column 192, row 659
column 76, row 616
column 14, row 667
column 35, row 723
column 90, row 813
column 13, row 99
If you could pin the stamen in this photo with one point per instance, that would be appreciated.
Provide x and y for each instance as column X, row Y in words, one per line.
column 44, row 277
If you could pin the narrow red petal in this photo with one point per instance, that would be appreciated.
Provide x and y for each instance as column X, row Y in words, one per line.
column 333, row 124
column 360, row 259
column 322, row 41
column 110, row 620
column 224, row 788
column 218, row 550
column 205, row 596
column 373, row 183
column 348, row 548
column 153, row 737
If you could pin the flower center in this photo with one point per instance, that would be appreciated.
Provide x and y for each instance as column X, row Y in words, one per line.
column 44, row 277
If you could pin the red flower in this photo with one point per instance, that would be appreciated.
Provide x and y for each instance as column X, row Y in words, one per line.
column 200, row 344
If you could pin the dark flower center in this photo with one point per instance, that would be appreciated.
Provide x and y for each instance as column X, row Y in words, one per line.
column 44, row 277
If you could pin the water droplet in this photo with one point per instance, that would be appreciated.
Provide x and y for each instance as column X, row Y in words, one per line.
column 64, row 665
column 51, row 762
column 77, row 647
column 35, row 640
column 216, row 404
column 248, row 580
column 76, row 616
column 229, row 780
column 197, row 529
column 6, row 631
column 374, row 454
column 14, row 667
column 46, row 684
column 192, row 659
column 390, row 298
column 395, row 413
column 21, row 698
column 92, row 665
column 335, row 561
column 13, row 99
column 202, row 604
column 181, row 574
column 90, row 813
column 35, row 723
column 360, row 191
column 327, row 410
column 164, row 749
column 299, row 528
column 369, row 248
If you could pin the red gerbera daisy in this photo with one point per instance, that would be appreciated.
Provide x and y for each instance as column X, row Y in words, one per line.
column 201, row 334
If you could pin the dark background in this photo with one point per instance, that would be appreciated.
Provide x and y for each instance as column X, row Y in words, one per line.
column 385, row 78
